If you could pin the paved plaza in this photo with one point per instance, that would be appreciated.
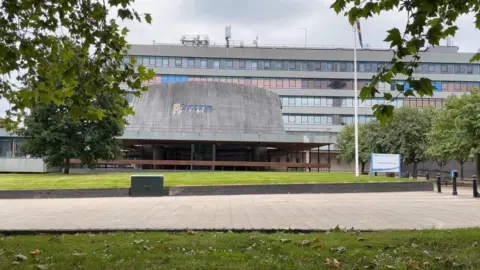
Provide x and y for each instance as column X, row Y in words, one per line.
column 376, row 211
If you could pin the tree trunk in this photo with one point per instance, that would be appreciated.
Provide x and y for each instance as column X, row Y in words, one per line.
column 415, row 170
column 363, row 167
column 461, row 168
column 66, row 169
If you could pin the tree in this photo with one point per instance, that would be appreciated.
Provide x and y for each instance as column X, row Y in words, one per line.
column 427, row 22
column 447, row 141
column 35, row 46
column 465, row 111
column 51, row 132
column 60, row 131
column 406, row 134
column 346, row 143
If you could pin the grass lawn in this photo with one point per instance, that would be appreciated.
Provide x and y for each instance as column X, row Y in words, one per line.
column 455, row 249
column 104, row 180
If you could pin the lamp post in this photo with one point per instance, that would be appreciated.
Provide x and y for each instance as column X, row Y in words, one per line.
column 305, row 36
column 355, row 93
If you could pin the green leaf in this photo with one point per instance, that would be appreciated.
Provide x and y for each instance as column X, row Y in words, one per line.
column 475, row 58
column 125, row 31
column 148, row 18
column 394, row 37
column 387, row 96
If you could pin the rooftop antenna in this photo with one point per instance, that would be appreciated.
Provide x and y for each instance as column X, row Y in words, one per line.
column 255, row 42
column 228, row 35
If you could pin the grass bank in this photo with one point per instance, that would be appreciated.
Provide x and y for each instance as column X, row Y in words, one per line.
column 108, row 180
column 453, row 249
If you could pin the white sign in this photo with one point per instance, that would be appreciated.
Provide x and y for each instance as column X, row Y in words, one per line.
column 385, row 163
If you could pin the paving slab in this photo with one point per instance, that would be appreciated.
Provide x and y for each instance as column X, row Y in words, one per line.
column 365, row 211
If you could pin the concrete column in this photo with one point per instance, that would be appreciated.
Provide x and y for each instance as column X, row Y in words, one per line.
column 307, row 158
column 214, row 155
column 192, row 152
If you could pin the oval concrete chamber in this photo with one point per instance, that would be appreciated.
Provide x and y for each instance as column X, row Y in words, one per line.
column 207, row 107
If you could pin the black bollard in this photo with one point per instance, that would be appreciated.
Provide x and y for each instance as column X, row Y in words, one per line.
column 427, row 176
column 454, row 183
column 439, row 183
column 475, row 190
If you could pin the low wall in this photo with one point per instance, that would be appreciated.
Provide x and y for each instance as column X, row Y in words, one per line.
column 301, row 188
column 24, row 165
column 225, row 190
column 64, row 193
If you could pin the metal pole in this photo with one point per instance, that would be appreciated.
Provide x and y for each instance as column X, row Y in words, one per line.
column 475, row 190
column 355, row 98
column 439, row 183
column 305, row 36
column 454, row 185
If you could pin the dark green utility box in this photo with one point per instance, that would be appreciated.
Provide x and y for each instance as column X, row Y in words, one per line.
column 146, row 186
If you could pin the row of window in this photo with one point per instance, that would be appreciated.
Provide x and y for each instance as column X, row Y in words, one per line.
column 293, row 65
column 332, row 84
column 344, row 102
column 327, row 119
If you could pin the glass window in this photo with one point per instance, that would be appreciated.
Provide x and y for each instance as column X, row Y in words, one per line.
column 330, row 66
column 310, row 102
column 470, row 69
column 456, row 69
column 229, row 64
column 317, row 66
column 216, row 64
column 159, row 62
column 203, row 63
column 279, row 65
column 191, row 62
column 261, row 65
column 184, row 62
column 209, row 63
column 291, row 119
column 266, row 65
column 304, row 101
column 152, row 61
column 368, row 67
column 298, row 119
column 285, row 118
column 317, row 120
column 304, row 65
column 248, row 64
column 254, row 65
column 171, row 62
column 343, row 66
column 241, row 64
column 444, row 68
column 317, row 101
column 223, row 64
column 361, row 67
column 304, row 119
column 178, row 62
column 329, row 102
column 165, row 62
column 286, row 64
column 291, row 101
column 310, row 119
column 236, row 64
column 198, row 63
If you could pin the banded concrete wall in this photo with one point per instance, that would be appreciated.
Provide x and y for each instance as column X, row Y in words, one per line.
column 24, row 165
column 207, row 107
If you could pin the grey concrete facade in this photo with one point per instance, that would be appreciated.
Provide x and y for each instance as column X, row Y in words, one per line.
column 229, row 108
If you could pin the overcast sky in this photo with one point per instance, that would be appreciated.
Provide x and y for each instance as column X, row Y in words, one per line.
column 273, row 21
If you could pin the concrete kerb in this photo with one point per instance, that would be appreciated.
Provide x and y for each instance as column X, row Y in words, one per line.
column 227, row 190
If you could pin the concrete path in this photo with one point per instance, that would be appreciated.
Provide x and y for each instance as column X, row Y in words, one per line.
column 377, row 211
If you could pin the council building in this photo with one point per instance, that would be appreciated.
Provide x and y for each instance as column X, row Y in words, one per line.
column 314, row 86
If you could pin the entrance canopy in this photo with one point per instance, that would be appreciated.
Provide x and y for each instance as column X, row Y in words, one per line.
column 287, row 142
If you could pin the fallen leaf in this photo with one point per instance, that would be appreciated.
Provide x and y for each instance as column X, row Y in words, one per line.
column 36, row 252
column 138, row 241
column 41, row 266
column 339, row 250
column 148, row 248
column 20, row 257
column 390, row 267
column 318, row 247
column 78, row 254
column 368, row 246
column 361, row 239
column 475, row 244
column 284, row 240
column 190, row 232
column 427, row 252
column 332, row 263
column 15, row 263
column 305, row 242
column 414, row 246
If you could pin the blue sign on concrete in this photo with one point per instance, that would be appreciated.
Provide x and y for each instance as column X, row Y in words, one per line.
column 199, row 108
